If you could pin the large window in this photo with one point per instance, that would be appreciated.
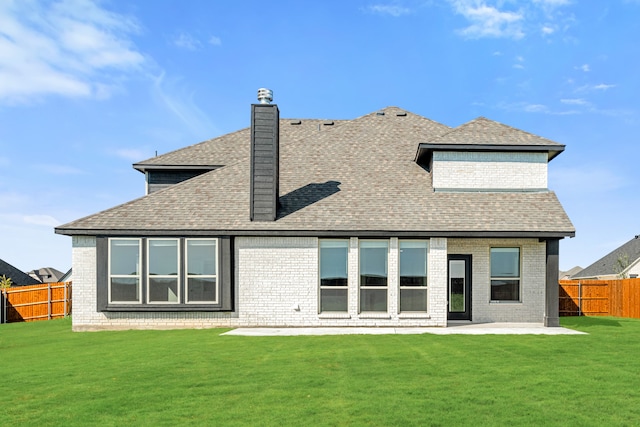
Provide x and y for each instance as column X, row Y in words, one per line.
column 413, row 275
column 373, row 275
column 505, row 274
column 333, row 275
column 201, row 271
column 162, row 272
column 124, row 270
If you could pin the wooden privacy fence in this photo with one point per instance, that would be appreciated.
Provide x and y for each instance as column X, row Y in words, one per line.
column 37, row 302
column 616, row 297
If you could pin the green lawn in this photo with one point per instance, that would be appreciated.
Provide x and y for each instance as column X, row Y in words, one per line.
column 51, row 376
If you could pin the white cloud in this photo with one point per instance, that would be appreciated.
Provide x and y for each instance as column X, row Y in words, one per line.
column 71, row 48
column 584, row 67
column 519, row 63
column 387, row 9
column 132, row 154
column 527, row 107
column 189, row 42
column 186, row 41
column 488, row 21
column 181, row 103
column 45, row 220
column 547, row 30
column 591, row 88
column 553, row 3
column 491, row 18
column 575, row 101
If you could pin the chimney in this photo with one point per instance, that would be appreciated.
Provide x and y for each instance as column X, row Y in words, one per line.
column 265, row 136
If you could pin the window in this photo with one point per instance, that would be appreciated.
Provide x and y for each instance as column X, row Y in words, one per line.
column 164, row 274
column 373, row 275
column 333, row 275
column 201, row 271
column 413, row 275
column 124, row 270
column 505, row 274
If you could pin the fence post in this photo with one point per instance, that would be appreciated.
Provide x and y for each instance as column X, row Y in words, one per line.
column 48, row 301
column 65, row 299
column 4, row 306
column 579, row 298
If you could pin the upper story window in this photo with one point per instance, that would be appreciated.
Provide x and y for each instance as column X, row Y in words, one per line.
column 373, row 275
column 413, row 275
column 505, row 274
column 333, row 275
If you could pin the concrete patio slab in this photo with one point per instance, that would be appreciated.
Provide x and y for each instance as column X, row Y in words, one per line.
column 456, row 328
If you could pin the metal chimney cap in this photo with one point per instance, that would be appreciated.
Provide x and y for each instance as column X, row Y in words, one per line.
column 265, row 96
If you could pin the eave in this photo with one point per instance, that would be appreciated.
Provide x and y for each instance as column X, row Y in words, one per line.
column 142, row 167
column 321, row 233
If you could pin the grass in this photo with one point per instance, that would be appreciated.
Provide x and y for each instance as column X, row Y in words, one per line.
column 51, row 376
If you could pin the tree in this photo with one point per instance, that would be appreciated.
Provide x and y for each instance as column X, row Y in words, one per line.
column 5, row 282
column 621, row 265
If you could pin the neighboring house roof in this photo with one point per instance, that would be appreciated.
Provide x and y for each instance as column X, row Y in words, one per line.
column 46, row 275
column 67, row 277
column 609, row 265
column 563, row 275
column 354, row 177
column 18, row 278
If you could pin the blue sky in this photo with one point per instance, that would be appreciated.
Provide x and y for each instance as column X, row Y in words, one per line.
column 88, row 88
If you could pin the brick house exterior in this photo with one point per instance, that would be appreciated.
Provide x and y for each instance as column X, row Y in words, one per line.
column 389, row 219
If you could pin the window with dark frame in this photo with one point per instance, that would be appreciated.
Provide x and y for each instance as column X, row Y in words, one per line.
column 413, row 275
column 202, row 270
column 163, row 259
column 373, row 275
column 333, row 260
column 125, row 261
column 168, row 280
column 505, row 274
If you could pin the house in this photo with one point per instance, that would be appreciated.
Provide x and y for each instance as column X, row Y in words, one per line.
column 18, row 278
column 566, row 275
column 46, row 275
column 622, row 262
column 389, row 219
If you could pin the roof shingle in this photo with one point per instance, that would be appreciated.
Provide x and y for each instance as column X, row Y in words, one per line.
column 357, row 177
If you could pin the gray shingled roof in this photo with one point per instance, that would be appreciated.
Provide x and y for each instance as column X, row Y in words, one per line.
column 484, row 131
column 233, row 147
column 358, row 177
column 18, row 277
column 608, row 264
column 483, row 134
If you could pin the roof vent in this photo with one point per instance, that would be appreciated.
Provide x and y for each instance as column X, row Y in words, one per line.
column 265, row 96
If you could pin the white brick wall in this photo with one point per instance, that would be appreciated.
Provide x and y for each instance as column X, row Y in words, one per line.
column 277, row 282
column 532, row 285
column 489, row 171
